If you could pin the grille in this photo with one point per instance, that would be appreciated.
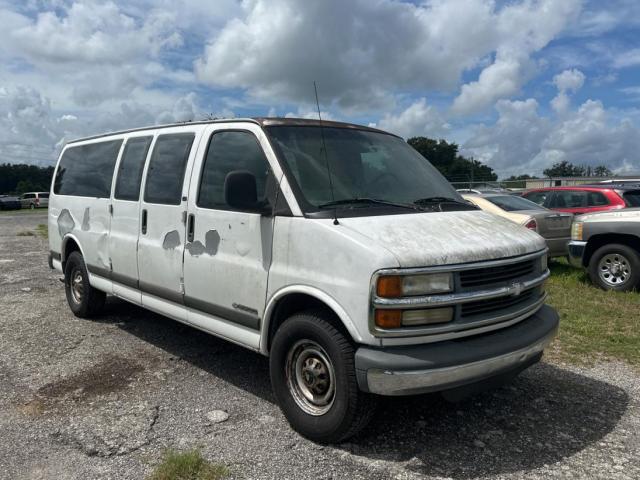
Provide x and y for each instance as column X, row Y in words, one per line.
column 484, row 306
column 501, row 273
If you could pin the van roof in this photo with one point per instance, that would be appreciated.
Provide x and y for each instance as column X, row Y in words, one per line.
column 262, row 121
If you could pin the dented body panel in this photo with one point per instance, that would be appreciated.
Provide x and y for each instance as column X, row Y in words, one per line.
column 227, row 271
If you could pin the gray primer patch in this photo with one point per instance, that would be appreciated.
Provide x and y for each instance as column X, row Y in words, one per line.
column 210, row 247
column 85, row 220
column 171, row 240
column 211, row 242
column 195, row 248
column 65, row 222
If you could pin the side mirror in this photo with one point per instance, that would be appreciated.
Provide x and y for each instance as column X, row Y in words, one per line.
column 240, row 192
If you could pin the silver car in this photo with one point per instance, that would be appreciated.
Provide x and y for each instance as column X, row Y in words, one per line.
column 555, row 227
column 34, row 199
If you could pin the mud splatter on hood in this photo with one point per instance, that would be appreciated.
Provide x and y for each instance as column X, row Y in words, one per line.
column 428, row 239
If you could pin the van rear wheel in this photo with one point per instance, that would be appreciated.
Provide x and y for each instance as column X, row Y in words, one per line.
column 314, row 380
column 84, row 300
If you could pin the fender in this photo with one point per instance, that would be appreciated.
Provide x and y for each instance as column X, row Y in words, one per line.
column 65, row 239
column 312, row 292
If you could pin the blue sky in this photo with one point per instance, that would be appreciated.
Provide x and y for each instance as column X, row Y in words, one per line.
column 517, row 84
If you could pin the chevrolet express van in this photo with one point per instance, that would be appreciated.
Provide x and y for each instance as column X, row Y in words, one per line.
column 334, row 249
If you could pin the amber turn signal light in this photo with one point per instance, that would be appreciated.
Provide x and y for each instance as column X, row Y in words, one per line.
column 389, row 286
column 388, row 318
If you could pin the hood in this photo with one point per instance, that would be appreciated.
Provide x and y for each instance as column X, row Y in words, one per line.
column 622, row 215
column 445, row 238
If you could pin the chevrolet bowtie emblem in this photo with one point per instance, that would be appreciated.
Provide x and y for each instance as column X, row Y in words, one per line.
column 517, row 289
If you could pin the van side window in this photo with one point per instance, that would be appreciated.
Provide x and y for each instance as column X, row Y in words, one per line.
column 130, row 169
column 166, row 168
column 229, row 151
column 87, row 170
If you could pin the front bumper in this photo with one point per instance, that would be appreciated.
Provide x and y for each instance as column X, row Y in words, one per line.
column 557, row 246
column 414, row 369
column 576, row 253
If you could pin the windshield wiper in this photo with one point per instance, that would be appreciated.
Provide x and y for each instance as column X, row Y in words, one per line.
column 368, row 201
column 440, row 200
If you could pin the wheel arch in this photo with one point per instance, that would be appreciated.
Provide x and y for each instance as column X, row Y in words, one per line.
column 598, row 241
column 292, row 299
column 70, row 243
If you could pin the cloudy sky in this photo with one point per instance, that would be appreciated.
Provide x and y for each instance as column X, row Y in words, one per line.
column 519, row 84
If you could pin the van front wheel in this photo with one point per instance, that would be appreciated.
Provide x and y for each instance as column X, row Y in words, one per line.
column 314, row 379
column 84, row 300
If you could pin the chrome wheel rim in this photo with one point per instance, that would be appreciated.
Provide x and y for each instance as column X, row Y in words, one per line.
column 614, row 269
column 77, row 286
column 310, row 377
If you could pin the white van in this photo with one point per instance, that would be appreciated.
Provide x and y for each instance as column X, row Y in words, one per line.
column 335, row 249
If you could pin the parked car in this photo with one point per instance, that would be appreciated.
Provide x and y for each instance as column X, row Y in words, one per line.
column 608, row 245
column 555, row 227
column 334, row 249
column 34, row 199
column 9, row 203
column 585, row 198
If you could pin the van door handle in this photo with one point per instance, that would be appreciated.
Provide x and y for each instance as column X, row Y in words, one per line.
column 144, row 222
column 191, row 226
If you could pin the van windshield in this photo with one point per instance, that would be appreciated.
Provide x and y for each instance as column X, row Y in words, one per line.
column 368, row 170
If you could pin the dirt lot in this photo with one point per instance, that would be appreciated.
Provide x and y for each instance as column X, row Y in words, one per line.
column 105, row 399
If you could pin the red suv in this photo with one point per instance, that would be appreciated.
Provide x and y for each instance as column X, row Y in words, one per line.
column 585, row 199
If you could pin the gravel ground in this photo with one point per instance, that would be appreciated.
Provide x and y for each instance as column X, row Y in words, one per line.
column 105, row 398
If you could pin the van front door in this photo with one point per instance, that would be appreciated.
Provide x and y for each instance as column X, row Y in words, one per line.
column 125, row 219
column 228, row 252
column 162, row 225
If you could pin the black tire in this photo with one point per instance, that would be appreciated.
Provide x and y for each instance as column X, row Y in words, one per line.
column 627, row 266
column 90, row 301
column 350, row 409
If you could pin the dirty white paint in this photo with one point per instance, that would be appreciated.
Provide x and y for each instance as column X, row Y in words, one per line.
column 243, row 263
column 446, row 238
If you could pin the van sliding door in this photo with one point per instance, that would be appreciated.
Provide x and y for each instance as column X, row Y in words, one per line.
column 162, row 227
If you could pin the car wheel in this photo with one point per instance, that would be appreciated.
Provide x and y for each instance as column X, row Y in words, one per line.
column 32, row 206
column 84, row 300
column 314, row 379
column 615, row 267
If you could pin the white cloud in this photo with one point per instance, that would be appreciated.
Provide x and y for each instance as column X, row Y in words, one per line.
column 522, row 141
column 419, row 119
column 31, row 132
column 569, row 81
column 362, row 53
column 523, row 28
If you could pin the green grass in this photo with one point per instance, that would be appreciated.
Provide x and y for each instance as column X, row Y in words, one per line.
column 43, row 230
column 189, row 465
column 594, row 324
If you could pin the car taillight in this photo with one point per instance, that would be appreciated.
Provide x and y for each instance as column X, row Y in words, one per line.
column 532, row 224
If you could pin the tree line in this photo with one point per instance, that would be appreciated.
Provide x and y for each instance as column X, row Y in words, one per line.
column 16, row 178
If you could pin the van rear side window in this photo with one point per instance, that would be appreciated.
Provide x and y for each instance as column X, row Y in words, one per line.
column 130, row 169
column 166, row 168
column 87, row 170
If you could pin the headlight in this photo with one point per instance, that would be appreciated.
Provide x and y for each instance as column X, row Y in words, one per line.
column 576, row 230
column 393, row 286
